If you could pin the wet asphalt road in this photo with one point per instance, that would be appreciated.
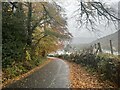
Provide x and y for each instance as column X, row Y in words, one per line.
column 53, row 75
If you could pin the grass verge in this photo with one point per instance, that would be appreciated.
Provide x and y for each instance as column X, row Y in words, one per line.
column 12, row 76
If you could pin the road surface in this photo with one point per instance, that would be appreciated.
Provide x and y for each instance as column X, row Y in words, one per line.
column 53, row 75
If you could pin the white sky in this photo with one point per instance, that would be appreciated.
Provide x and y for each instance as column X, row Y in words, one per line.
column 71, row 6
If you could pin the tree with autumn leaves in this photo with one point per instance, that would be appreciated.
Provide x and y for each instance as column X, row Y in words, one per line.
column 31, row 30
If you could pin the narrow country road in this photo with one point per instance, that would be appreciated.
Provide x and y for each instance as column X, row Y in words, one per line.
column 53, row 75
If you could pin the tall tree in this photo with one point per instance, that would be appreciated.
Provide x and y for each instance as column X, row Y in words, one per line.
column 13, row 33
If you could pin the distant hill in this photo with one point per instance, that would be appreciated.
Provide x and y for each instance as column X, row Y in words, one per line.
column 105, row 41
column 80, row 42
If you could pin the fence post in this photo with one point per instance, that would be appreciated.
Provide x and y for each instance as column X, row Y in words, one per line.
column 111, row 47
column 95, row 46
column 118, row 77
column 99, row 46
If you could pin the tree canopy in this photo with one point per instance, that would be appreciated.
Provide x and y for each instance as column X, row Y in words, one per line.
column 31, row 28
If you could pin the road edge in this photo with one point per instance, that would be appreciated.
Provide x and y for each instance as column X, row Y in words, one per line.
column 25, row 74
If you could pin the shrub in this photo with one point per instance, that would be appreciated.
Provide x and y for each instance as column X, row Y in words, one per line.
column 106, row 65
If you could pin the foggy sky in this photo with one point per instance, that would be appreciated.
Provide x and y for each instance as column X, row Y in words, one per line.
column 70, row 6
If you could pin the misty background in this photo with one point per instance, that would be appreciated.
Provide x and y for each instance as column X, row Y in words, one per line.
column 82, row 37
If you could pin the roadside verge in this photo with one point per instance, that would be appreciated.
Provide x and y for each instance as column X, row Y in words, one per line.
column 25, row 74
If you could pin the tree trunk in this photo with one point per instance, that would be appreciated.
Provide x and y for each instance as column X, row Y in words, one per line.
column 29, row 39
